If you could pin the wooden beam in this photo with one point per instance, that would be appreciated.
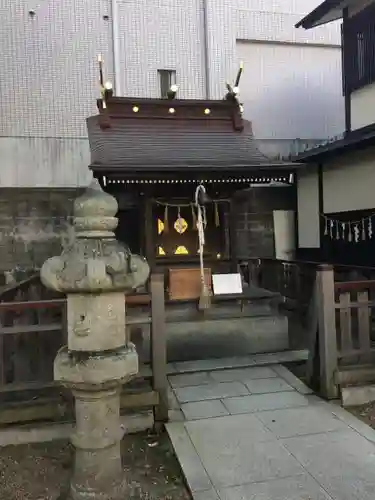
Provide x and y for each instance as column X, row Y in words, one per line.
column 57, row 409
column 148, row 231
column 159, row 347
column 327, row 331
column 346, row 72
column 139, row 400
column 233, row 239
column 321, row 221
column 312, row 337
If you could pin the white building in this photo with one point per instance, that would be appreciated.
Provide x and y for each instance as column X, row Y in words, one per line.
column 291, row 86
column 336, row 201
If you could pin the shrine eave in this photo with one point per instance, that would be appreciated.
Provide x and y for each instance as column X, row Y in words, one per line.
column 223, row 169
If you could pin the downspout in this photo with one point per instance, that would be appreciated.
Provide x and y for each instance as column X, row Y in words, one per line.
column 345, row 72
column 116, row 48
column 205, row 45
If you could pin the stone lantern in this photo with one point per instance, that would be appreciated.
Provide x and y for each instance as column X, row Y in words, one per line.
column 95, row 273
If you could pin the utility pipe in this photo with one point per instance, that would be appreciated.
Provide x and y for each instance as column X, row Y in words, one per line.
column 206, row 51
column 116, row 48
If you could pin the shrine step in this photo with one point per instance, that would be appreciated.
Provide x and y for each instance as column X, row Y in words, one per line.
column 227, row 337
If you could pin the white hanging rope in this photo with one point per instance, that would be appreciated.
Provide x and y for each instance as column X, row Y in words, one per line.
column 352, row 231
column 201, row 226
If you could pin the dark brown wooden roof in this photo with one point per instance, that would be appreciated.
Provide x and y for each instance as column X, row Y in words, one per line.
column 142, row 134
column 326, row 12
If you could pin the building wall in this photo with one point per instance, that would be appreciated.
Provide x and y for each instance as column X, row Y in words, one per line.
column 50, row 75
column 295, row 77
column 348, row 183
column 362, row 107
column 49, row 85
column 358, row 5
column 34, row 162
column 361, row 101
column 348, row 186
column 308, row 208
column 161, row 35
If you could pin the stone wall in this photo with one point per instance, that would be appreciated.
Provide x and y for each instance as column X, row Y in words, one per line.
column 34, row 225
column 255, row 224
column 255, row 235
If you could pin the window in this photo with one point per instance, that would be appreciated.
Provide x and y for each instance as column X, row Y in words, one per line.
column 359, row 49
column 166, row 79
column 180, row 238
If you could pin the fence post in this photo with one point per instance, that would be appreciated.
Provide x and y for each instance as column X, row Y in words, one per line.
column 312, row 375
column 159, row 348
column 327, row 330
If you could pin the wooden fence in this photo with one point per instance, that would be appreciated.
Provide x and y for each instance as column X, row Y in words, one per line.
column 32, row 331
column 334, row 306
column 342, row 349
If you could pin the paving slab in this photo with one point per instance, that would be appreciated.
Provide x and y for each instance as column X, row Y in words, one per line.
column 292, row 380
column 242, row 374
column 191, row 465
column 300, row 421
column 356, row 396
column 206, row 495
column 246, row 463
column 267, row 385
column 302, row 487
column 204, row 409
column 189, row 379
column 213, row 390
column 353, row 422
column 342, row 462
column 278, row 443
column 228, row 432
column 239, row 449
column 263, row 402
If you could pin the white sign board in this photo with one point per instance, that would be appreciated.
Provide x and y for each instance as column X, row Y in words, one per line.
column 227, row 284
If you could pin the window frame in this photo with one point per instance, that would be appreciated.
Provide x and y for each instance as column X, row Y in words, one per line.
column 219, row 239
column 358, row 46
column 166, row 77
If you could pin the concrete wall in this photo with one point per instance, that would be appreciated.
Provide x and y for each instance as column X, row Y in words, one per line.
column 299, row 92
column 348, row 182
column 34, row 162
column 362, row 107
column 308, row 208
column 34, row 225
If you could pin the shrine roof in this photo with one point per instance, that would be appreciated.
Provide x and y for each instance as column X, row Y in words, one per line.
column 159, row 135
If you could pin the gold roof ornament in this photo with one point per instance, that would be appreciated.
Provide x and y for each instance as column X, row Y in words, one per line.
column 106, row 88
column 233, row 91
column 172, row 92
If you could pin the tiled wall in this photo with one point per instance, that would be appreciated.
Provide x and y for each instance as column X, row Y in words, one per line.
column 49, row 77
column 49, row 72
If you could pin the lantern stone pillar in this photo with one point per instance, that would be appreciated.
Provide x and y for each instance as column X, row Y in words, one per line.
column 95, row 273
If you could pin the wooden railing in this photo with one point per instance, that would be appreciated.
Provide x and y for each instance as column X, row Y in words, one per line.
column 341, row 332
column 294, row 280
column 331, row 310
column 31, row 332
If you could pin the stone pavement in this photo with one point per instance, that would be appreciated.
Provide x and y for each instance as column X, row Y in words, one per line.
column 258, row 433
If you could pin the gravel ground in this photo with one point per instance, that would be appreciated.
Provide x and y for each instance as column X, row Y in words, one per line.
column 40, row 471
